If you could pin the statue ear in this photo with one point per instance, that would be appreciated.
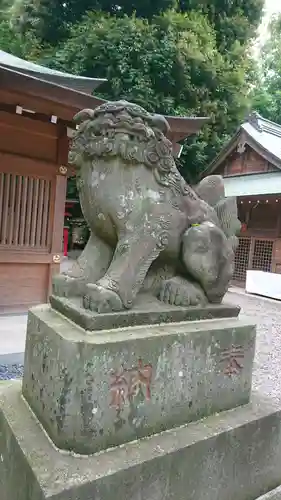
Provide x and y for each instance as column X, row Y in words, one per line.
column 82, row 116
column 211, row 189
column 158, row 121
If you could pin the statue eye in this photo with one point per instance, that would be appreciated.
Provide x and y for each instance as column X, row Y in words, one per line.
column 202, row 248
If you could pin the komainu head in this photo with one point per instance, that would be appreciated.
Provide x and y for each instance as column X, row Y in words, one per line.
column 122, row 129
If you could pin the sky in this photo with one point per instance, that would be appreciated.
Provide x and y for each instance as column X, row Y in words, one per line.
column 271, row 7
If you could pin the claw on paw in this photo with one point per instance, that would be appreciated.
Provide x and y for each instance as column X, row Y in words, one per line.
column 65, row 286
column 180, row 292
column 101, row 300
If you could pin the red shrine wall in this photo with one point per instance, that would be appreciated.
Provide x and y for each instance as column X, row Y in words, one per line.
column 249, row 162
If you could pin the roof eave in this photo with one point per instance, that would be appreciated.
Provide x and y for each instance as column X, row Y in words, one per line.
column 262, row 151
column 73, row 100
column 77, row 82
column 226, row 150
column 229, row 147
column 184, row 126
column 57, row 95
column 80, row 84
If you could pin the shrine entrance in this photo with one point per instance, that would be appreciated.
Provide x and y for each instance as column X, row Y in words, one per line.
column 37, row 106
column 32, row 194
column 36, row 110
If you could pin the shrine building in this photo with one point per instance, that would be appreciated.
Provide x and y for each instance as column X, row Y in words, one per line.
column 37, row 106
column 251, row 166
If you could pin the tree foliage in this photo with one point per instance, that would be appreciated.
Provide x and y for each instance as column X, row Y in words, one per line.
column 233, row 20
column 51, row 19
column 170, row 65
column 177, row 57
column 24, row 46
column 266, row 95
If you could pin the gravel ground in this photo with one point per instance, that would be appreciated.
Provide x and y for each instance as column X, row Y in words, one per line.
column 8, row 372
column 267, row 315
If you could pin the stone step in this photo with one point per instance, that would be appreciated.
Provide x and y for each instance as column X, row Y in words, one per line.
column 235, row 455
column 272, row 495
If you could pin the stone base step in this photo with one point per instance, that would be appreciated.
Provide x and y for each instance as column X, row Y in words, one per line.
column 235, row 455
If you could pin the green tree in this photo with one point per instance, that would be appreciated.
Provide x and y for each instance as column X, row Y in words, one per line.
column 178, row 57
column 52, row 19
column 233, row 20
column 170, row 65
column 23, row 45
column 266, row 94
column 20, row 45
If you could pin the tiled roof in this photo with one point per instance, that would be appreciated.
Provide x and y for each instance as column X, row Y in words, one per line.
column 79, row 83
column 262, row 135
column 265, row 133
column 70, row 91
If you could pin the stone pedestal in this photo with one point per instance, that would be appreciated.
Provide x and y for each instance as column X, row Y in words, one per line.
column 156, row 411
column 102, row 389
column 234, row 455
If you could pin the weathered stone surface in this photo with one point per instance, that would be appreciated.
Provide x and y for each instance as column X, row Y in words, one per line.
column 232, row 456
column 150, row 231
column 272, row 495
column 147, row 311
column 96, row 390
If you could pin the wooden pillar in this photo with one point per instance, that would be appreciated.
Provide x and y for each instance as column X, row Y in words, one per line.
column 62, row 144
column 58, row 224
column 59, row 200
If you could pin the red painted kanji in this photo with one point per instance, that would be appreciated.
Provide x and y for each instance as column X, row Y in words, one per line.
column 125, row 384
column 232, row 357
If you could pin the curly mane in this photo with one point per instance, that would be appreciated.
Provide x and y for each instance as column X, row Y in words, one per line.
column 128, row 131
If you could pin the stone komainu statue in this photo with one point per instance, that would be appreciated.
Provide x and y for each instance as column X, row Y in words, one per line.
column 150, row 231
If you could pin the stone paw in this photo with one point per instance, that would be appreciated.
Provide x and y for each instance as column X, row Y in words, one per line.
column 180, row 292
column 65, row 286
column 102, row 300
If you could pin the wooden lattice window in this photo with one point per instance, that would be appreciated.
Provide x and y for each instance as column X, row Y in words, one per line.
column 24, row 211
column 242, row 255
column 262, row 255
